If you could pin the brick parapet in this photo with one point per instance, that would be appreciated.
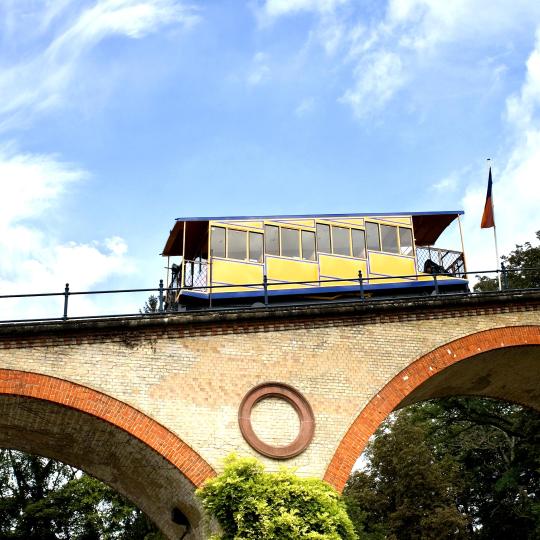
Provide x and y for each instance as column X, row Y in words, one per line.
column 272, row 319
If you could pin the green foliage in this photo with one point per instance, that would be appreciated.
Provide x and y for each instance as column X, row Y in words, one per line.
column 520, row 276
column 250, row 503
column 406, row 491
column 42, row 499
column 151, row 305
column 451, row 468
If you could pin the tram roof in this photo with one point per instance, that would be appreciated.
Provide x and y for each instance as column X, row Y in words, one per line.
column 428, row 226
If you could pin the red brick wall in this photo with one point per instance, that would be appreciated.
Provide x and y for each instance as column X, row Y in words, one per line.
column 113, row 411
column 385, row 401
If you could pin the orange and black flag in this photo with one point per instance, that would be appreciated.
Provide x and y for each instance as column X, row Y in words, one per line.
column 488, row 219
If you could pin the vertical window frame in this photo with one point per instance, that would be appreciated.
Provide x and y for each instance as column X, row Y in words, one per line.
column 245, row 232
column 298, row 242
column 329, row 252
column 268, row 225
column 212, row 227
column 396, row 238
column 413, row 250
column 365, row 251
column 366, row 223
column 249, row 236
column 348, row 233
column 302, row 232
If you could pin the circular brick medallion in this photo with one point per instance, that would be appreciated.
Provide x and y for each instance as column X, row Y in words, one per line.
column 296, row 400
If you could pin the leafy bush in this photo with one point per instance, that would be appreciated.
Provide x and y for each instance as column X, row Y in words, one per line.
column 250, row 503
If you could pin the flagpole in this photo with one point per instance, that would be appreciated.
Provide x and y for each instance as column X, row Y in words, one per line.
column 495, row 235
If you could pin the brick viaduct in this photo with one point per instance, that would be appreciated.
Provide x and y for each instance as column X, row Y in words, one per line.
column 150, row 404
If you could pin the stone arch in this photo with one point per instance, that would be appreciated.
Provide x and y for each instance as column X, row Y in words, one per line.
column 399, row 390
column 107, row 438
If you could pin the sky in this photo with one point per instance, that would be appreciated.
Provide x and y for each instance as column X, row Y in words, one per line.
column 118, row 116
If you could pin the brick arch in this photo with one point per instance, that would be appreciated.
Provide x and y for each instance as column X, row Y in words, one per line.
column 112, row 411
column 416, row 373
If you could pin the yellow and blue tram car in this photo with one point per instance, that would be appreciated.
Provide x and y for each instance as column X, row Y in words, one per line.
column 246, row 259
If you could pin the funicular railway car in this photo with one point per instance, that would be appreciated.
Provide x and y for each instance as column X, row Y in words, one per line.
column 245, row 260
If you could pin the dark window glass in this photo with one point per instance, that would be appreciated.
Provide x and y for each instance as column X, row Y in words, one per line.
column 405, row 241
column 341, row 241
column 308, row 246
column 323, row 238
column 389, row 239
column 255, row 246
column 218, row 242
column 236, row 245
column 271, row 239
column 372, row 233
column 358, row 243
column 290, row 246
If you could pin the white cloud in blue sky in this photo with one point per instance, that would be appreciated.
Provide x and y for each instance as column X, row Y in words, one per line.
column 116, row 116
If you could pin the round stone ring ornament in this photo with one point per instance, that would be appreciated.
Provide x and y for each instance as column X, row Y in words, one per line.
column 294, row 398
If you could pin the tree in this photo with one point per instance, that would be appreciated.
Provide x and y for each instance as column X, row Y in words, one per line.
column 43, row 499
column 451, row 468
column 406, row 492
column 151, row 305
column 250, row 503
column 523, row 269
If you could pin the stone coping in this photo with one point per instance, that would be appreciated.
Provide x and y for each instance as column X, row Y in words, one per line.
column 320, row 310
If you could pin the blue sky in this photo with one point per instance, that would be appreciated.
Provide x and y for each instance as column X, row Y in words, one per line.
column 116, row 116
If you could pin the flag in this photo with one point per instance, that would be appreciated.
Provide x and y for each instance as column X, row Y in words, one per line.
column 488, row 220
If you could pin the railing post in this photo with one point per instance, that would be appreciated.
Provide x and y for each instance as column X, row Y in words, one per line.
column 211, row 285
column 361, row 281
column 265, row 285
column 436, row 283
column 66, row 299
column 161, row 296
column 504, row 276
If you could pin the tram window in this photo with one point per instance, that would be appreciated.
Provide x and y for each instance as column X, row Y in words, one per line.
column 255, row 247
column 218, row 242
column 372, row 233
column 323, row 238
column 389, row 239
column 236, row 244
column 290, row 246
column 358, row 243
column 308, row 246
column 405, row 241
column 341, row 241
column 271, row 237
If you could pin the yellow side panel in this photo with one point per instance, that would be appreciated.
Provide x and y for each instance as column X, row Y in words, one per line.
column 293, row 222
column 341, row 267
column 239, row 224
column 235, row 273
column 397, row 219
column 391, row 265
column 357, row 222
column 290, row 270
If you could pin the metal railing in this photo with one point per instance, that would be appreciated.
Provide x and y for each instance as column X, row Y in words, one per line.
column 443, row 261
column 357, row 288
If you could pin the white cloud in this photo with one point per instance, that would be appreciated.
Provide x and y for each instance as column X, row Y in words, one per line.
column 378, row 77
column 260, row 71
column 516, row 185
column 279, row 8
column 408, row 37
column 449, row 183
column 305, row 107
column 33, row 259
column 40, row 82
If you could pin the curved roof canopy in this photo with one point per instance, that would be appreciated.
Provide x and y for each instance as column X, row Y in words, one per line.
column 428, row 226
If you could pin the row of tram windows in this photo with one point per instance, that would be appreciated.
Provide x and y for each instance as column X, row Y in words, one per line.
column 302, row 244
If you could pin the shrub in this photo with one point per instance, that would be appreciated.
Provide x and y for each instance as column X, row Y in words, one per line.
column 250, row 503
